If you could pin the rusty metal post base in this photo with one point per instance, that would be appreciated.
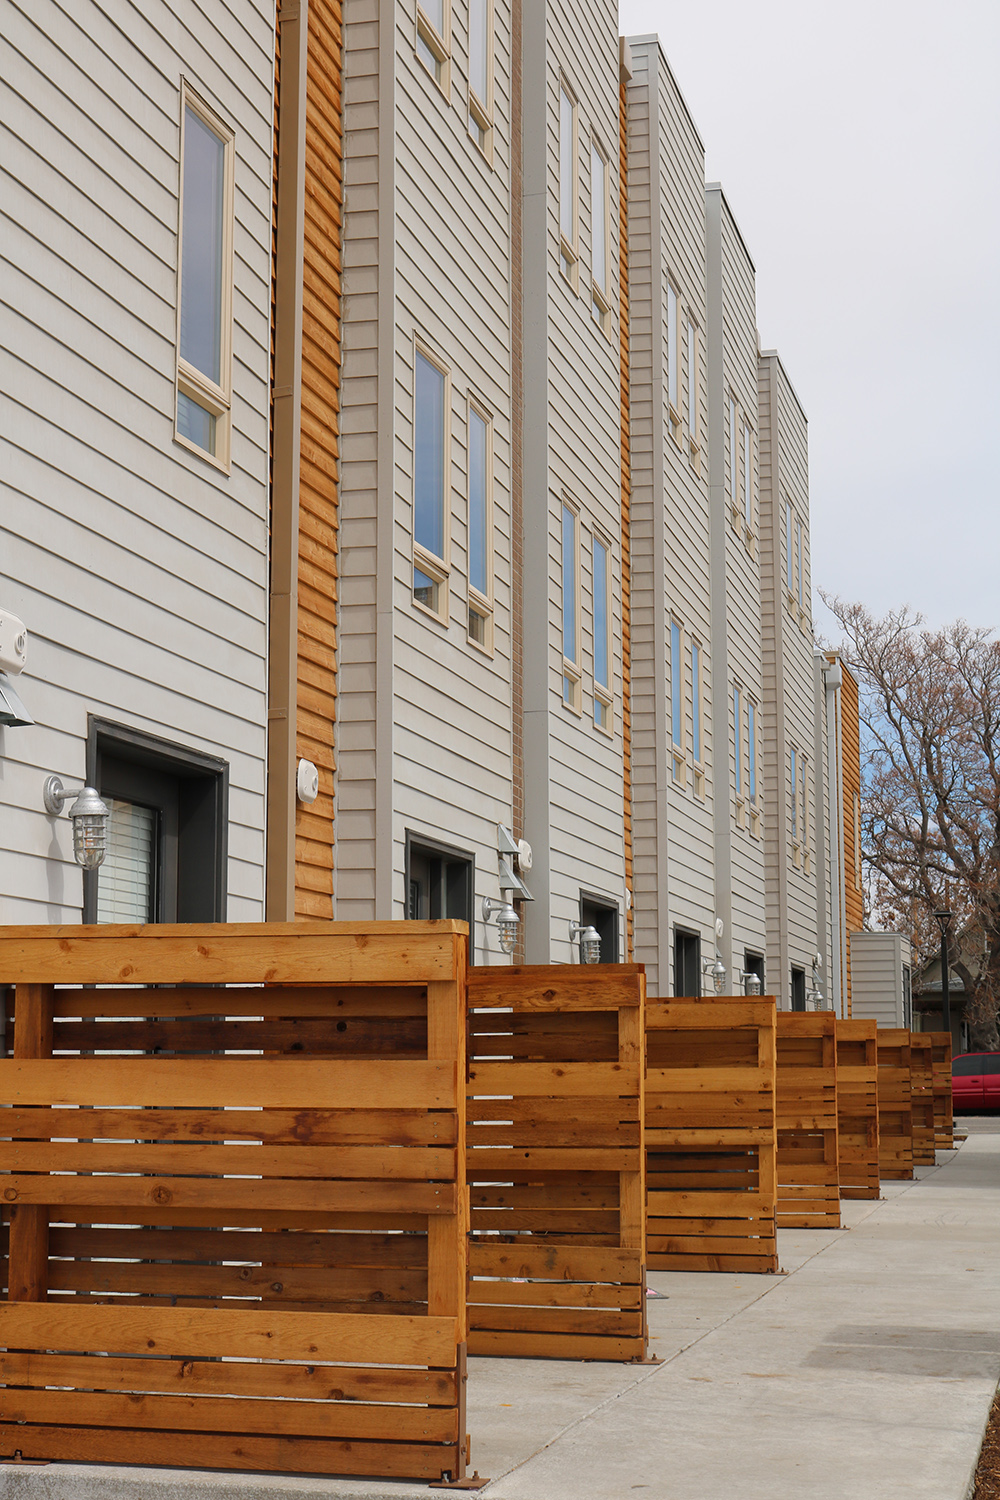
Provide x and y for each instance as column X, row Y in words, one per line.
column 470, row 1482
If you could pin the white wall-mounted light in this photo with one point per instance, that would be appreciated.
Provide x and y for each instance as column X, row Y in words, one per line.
column 306, row 782
column 716, row 971
column 90, row 817
column 589, row 940
column 506, row 919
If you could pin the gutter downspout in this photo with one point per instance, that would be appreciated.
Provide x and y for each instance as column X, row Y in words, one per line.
column 282, row 710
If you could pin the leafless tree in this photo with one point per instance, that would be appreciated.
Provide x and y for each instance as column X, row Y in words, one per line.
column 930, row 819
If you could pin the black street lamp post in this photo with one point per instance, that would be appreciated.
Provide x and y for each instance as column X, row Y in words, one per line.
column 943, row 919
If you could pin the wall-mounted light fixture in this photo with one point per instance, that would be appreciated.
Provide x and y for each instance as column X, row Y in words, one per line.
column 506, row 919
column 750, row 982
column 90, row 817
column 716, row 970
column 815, row 995
column 589, row 940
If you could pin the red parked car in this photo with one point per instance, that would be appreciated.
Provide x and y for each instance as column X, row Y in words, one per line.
column 975, row 1080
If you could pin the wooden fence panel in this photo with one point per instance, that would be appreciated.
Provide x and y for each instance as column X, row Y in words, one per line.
column 944, row 1113
column 922, row 1090
column 857, row 1108
column 806, row 1094
column 555, row 1162
column 710, row 1134
column 236, row 1216
column 895, row 1109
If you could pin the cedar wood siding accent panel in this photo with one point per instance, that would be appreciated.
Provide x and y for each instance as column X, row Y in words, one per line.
column 854, row 903
column 139, row 569
column 319, row 453
column 586, row 773
column 623, row 282
column 367, row 204
column 451, row 715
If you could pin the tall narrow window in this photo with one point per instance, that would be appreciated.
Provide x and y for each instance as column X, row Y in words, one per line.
column 602, row 635
column 599, row 206
column 673, row 356
column 737, row 733
column 430, row 449
column 480, row 71
column 204, row 320
column 692, row 383
column 676, row 696
column 433, row 25
column 795, row 799
column 803, row 802
column 734, row 474
column 480, row 551
column 747, row 477
column 696, row 701
column 789, row 555
column 752, row 749
column 570, row 608
column 568, row 192
column 798, row 563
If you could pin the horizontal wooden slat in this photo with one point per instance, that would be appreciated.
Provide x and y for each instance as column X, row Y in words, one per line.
column 289, row 1248
column 551, row 1080
column 221, row 1194
column 282, row 1082
column 269, row 1334
column 491, row 1258
column 361, row 1127
column 208, row 1414
column 333, row 1000
column 566, row 988
column 410, row 1163
column 272, row 953
column 223, row 1451
column 209, row 1377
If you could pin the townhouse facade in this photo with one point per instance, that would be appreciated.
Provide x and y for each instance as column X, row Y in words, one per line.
column 466, row 573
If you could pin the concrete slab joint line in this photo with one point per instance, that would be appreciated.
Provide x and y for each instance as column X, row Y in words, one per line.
column 865, row 1373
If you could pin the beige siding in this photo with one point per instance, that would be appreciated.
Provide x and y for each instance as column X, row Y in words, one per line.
column 139, row 570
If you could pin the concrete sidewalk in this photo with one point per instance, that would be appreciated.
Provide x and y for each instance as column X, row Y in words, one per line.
column 864, row 1373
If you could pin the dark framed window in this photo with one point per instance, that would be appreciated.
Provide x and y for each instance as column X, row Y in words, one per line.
column 753, row 963
column 439, row 881
column 168, row 839
column 687, row 963
column 798, row 989
column 602, row 915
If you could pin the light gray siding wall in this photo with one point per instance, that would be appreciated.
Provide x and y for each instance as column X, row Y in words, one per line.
column 789, row 708
column 140, row 570
column 364, row 749
column 451, row 702
column 573, row 770
column 877, row 960
column 736, row 607
column 671, row 564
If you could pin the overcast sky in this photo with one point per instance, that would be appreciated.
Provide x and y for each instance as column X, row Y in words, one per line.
column 859, row 147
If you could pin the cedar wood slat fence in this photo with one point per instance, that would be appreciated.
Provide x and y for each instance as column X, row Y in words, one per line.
column 895, row 1121
column 944, row 1113
column 806, row 1092
column 710, row 1134
column 293, row 1297
column 922, row 1092
column 857, row 1108
column 555, row 1162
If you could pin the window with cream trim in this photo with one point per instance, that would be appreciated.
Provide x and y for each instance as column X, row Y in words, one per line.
column 692, row 383
column 481, row 72
column 748, row 477
column 600, row 234
column 673, row 358
column 205, row 282
column 569, row 191
column 679, row 759
column 571, row 607
column 431, row 392
column 434, row 39
column 734, row 472
column 603, row 700
column 480, row 529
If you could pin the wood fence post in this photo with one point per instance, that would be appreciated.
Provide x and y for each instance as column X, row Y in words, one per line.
column 29, row 1222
